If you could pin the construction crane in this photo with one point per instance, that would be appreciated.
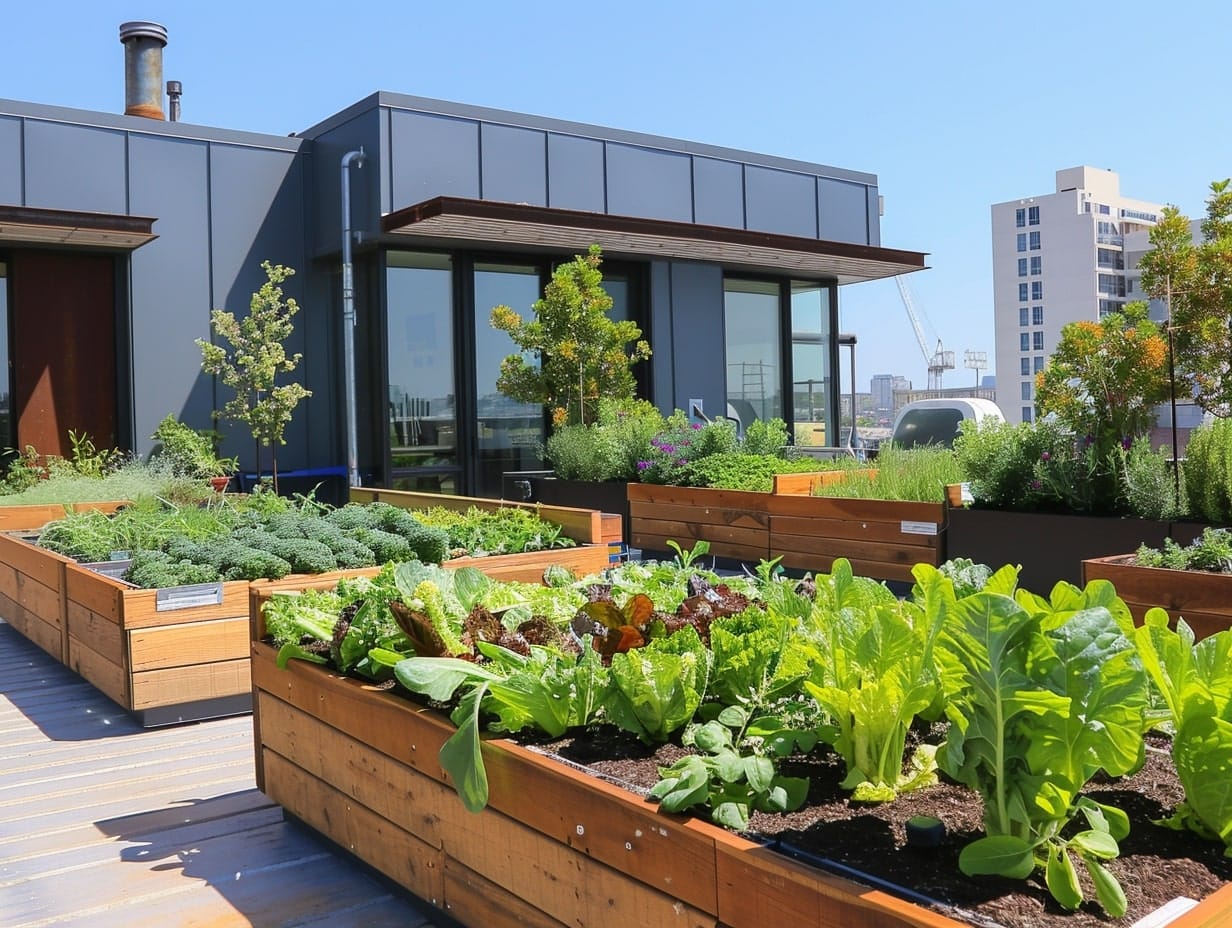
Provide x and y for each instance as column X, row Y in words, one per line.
column 940, row 360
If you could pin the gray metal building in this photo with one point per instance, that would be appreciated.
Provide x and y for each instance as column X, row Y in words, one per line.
column 120, row 233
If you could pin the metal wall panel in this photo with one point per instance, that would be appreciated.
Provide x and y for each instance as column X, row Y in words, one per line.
column 697, row 336
column 780, row 201
column 718, row 193
column 842, row 211
column 10, row 161
column 659, row 333
column 325, row 181
column 647, row 183
column 575, row 173
column 874, row 216
column 170, row 288
column 75, row 167
column 257, row 214
column 514, row 164
column 432, row 156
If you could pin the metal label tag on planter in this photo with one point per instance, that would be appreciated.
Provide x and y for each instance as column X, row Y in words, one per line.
column 918, row 528
column 188, row 596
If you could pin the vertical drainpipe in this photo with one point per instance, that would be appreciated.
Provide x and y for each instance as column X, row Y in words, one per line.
column 143, row 68
column 356, row 158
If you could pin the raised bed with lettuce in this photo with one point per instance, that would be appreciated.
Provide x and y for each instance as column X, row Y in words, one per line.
column 151, row 604
column 1025, row 701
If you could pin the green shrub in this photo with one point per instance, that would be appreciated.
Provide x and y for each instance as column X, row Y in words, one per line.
column 1208, row 471
column 1000, row 460
column 1150, row 483
column 736, row 470
column 765, row 436
column 1211, row 551
column 608, row 448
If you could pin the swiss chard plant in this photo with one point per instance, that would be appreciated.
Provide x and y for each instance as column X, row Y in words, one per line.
column 1038, row 704
column 1196, row 683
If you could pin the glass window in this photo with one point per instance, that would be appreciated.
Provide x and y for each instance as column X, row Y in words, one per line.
column 810, row 362
column 7, row 434
column 1033, row 216
column 1037, row 264
column 508, row 433
column 1110, row 258
column 1026, row 389
column 1024, row 341
column 1022, row 315
column 1037, row 315
column 1037, row 289
column 1022, row 292
column 423, row 423
column 1020, row 217
column 1026, row 413
column 1025, row 367
column 1037, row 341
column 1035, row 241
column 1103, row 209
column 1022, row 267
column 1037, row 364
column 751, row 330
column 1021, row 241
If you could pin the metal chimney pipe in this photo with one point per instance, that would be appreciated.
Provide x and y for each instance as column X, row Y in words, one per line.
column 174, row 91
column 143, row 68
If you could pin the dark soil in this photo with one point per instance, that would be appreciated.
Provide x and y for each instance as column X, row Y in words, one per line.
column 1156, row 865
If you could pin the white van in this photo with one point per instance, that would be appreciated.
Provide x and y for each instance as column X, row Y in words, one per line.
column 935, row 422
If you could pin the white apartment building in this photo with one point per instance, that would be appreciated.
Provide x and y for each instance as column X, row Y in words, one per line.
column 1057, row 258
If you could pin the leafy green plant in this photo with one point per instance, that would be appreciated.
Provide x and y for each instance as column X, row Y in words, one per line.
column 1039, row 703
column 191, row 452
column 479, row 532
column 999, row 459
column 656, row 689
column 582, row 353
column 256, row 362
column 1208, row 471
column 728, row 776
column 1150, row 482
column 1196, row 682
column 1212, row 551
column 608, row 448
column 739, row 470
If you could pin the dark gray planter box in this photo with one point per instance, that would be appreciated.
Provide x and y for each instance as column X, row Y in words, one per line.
column 605, row 496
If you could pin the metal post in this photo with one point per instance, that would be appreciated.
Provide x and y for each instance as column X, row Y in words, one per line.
column 1176, row 463
column 356, row 158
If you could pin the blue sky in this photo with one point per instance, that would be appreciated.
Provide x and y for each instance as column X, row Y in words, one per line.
column 955, row 106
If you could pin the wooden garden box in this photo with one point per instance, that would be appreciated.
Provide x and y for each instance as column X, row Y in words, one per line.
column 1201, row 598
column 554, row 846
column 736, row 523
column 181, row 654
column 882, row 539
column 28, row 518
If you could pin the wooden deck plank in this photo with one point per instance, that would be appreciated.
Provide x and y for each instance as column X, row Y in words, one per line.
column 106, row 824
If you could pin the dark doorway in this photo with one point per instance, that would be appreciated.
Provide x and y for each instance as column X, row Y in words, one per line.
column 63, row 349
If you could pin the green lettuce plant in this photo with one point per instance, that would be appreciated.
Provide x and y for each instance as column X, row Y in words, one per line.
column 1040, row 699
column 1195, row 680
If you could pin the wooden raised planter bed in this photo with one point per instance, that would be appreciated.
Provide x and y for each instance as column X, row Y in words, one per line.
column 182, row 654
column 881, row 538
column 27, row 518
column 1201, row 598
column 554, row 847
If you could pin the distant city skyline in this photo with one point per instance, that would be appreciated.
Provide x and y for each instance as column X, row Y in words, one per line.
column 955, row 107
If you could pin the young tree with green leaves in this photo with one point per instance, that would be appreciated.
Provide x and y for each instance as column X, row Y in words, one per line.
column 1195, row 281
column 582, row 353
column 257, row 359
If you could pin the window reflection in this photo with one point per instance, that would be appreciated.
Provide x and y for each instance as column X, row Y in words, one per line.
column 422, row 411
column 752, row 334
column 7, row 439
column 810, row 363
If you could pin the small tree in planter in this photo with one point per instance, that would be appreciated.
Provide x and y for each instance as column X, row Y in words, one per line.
column 259, row 356
column 582, row 353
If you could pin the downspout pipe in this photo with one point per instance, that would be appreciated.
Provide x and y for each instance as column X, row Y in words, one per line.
column 356, row 158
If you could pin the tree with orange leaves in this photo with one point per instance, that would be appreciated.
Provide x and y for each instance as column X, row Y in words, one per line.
column 1105, row 378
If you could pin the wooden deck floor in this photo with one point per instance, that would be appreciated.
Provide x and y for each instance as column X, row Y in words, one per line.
column 107, row 825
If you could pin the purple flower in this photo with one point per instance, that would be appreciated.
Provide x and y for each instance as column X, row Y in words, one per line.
column 1126, row 443
column 682, row 461
column 695, row 425
column 1045, row 456
column 667, row 449
column 1035, row 484
column 643, row 465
